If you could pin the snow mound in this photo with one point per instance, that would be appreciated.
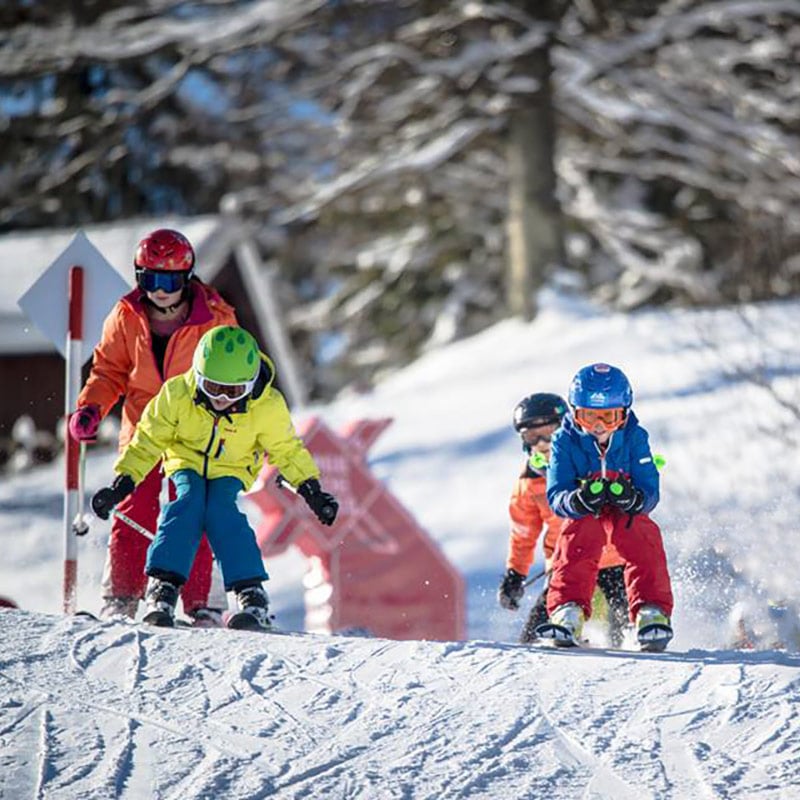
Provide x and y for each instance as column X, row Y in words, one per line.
column 112, row 709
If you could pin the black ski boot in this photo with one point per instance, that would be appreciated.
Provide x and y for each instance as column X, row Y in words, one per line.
column 161, row 598
column 254, row 609
column 611, row 581
column 537, row 617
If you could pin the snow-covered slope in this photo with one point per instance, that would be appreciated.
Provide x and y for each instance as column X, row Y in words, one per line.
column 109, row 710
column 96, row 711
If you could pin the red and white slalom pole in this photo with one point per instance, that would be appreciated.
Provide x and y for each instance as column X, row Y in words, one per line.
column 72, row 449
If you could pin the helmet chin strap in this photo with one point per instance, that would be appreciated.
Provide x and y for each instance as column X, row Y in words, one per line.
column 167, row 309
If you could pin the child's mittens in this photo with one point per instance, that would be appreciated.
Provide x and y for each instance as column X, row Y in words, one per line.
column 625, row 496
column 590, row 497
column 104, row 500
column 323, row 504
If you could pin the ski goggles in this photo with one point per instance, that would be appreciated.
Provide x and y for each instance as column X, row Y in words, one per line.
column 230, row 392
column 151, row 280
column 600, row 420
column 531, row 438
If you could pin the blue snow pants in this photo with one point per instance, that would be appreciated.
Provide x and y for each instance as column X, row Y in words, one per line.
column 205, row 505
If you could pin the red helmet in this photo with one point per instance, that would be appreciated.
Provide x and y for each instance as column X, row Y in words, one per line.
column 165, row 250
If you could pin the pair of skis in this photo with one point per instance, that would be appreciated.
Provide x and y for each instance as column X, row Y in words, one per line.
column 652, row 638
column 240, row 621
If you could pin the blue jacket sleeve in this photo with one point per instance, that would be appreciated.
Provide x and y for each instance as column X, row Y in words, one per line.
column 562, row 476
column 644, row 474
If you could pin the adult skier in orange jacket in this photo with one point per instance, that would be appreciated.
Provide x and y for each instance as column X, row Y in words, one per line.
column 150, row 335
column 536, row 418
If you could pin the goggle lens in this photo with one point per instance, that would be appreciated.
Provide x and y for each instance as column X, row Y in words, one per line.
column 531, row 438
column 151, row 280
column 604, row 419
column 223, row 391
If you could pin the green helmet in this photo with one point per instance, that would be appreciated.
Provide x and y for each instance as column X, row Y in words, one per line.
column 227, row 354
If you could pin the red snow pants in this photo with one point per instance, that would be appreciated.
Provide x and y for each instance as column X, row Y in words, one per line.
column 577, row 558
column 123, row 575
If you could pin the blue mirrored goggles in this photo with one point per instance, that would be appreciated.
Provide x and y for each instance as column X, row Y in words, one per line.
column 151, row 280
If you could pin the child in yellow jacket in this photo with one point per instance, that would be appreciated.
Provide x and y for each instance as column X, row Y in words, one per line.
column 211, row 426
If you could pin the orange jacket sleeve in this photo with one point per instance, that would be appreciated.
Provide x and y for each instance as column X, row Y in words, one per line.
column 526, row 526
column 111, row 366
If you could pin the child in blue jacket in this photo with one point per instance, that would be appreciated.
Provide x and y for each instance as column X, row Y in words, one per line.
column 604, row 481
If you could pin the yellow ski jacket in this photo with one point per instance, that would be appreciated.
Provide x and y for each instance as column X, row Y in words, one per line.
column 177, row 426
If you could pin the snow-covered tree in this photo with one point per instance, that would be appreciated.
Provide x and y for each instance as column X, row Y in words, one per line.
column 415, row 169
column 115, row 109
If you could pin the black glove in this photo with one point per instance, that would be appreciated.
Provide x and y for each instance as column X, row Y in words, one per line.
column 590, row 498
column 324, row 505
column 511, row 590
column 625, row 496
column 104, row 500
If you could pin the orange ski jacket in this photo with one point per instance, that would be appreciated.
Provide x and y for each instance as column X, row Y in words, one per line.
column 124, row 362
column 531, row 514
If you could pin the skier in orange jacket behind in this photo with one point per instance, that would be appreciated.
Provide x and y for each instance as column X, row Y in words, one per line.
column 150, row 335
column 536, row 418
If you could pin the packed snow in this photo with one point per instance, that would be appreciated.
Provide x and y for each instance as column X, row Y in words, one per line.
column 100, row 710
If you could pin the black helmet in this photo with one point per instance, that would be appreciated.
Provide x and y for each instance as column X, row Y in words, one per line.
column 539, row 409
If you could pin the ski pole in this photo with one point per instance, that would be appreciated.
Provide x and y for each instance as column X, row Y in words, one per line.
column 80, row 523
column 536, row 577
column 133, row 524
column 284, row 484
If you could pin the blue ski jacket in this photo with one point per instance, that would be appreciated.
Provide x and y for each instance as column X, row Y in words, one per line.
column 575, row 456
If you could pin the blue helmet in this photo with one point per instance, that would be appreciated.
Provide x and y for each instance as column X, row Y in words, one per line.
column 600, row 386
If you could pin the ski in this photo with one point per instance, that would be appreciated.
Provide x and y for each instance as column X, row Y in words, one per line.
column 245, row 621
column 159, row 619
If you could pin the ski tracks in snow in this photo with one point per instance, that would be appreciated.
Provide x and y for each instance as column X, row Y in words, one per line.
column 679, row 733
column 111, row 710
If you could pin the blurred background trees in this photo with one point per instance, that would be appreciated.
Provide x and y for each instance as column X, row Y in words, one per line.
column 415, row 170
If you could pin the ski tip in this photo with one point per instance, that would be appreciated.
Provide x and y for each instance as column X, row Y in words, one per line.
column 556, row 635
column 81, row 614
column 159, row 619
column 653, row 647
column 654, row 638
column 246, row 622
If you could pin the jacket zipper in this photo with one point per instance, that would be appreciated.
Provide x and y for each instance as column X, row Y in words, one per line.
column 602, row 453
column 149, row 332
column 209, row 446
